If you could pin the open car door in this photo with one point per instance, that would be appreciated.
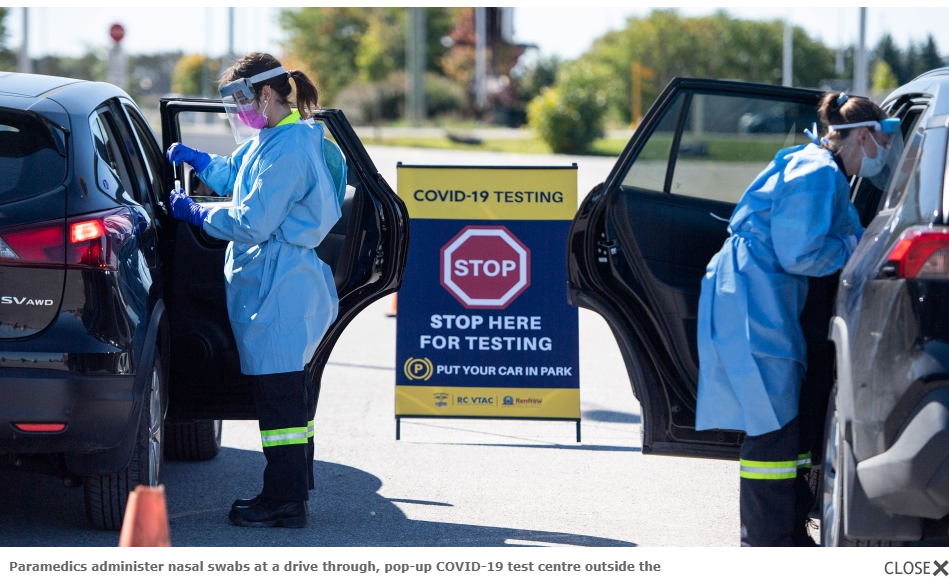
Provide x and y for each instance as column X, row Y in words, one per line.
column 366, row 250
column 641, row 240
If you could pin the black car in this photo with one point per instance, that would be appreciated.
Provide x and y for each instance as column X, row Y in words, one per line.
column 115, row 346
column 877, row 394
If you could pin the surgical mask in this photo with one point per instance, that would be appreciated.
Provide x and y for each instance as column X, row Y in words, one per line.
column 255, row 120
column 870, row 167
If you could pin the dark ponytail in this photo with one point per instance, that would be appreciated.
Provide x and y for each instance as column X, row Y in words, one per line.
column 308, row 97
column 256, row 62
column 839, row 108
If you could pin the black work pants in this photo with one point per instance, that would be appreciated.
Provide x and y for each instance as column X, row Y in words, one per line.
column 775, row 498
column 286, row 406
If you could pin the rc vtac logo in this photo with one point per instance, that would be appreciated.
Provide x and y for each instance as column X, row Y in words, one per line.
column 418, row 369
column 441, row 399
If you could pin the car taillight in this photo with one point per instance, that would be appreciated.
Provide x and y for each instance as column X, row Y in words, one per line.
column 40, row 427
column 42, row 243
column 87, row 241
column 94, row 240
column 921, row 252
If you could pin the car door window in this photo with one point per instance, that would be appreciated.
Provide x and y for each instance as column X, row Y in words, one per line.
column 151, row 155
column 210, row 132
column 712, row 146
column 903, row 181
column 113, row 175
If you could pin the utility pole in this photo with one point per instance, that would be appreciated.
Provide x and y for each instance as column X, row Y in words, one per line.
column 481, row 64
column 787, row 76
column 860, row 59
column 415, row 60
column 25, row 64
column 231, row 56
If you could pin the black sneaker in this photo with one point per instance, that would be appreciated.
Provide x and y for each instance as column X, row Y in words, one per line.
column 271, row 513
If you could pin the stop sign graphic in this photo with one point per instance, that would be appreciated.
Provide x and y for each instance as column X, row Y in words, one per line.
column 485, row 267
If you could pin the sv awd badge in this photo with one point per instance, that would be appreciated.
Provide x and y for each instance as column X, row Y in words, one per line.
column 25, row 301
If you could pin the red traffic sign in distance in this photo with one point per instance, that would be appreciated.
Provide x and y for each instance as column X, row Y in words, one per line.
column 485, row 267
column 117, row 32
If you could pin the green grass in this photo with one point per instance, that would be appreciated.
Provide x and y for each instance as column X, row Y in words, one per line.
column 724, row 148
column 602, row 147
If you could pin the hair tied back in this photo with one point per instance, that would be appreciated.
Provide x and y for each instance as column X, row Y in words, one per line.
column 842, row 99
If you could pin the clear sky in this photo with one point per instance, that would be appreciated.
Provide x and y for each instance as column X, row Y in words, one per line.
column 566, row 31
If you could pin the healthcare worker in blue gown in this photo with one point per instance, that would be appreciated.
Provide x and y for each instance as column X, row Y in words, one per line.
column 795, row 221
column 288, row 183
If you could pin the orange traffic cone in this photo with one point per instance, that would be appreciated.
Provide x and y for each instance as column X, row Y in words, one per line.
column 146, row 519
column 394, row 307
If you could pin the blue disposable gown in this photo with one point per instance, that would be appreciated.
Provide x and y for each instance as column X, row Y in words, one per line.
column 794, row 221
column 281, row 298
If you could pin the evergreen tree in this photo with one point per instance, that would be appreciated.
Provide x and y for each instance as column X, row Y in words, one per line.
column 929, row 57
column 887, row 51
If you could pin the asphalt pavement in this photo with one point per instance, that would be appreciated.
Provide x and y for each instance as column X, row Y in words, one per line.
column 446, row 482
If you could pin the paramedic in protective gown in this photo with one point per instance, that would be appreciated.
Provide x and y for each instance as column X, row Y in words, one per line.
column 794, row 221
column 287, row 181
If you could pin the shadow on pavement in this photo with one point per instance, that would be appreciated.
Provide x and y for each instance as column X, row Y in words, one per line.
column 346, row 510
column 604, row 416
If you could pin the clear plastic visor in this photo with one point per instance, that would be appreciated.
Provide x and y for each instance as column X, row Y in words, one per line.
column 889, row 142
column 890, row 145
column 237, row 106
column 238, row 99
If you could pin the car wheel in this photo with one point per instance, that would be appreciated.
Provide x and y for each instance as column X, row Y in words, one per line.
column 831, row 526
column 106, row 495
column 198, row 440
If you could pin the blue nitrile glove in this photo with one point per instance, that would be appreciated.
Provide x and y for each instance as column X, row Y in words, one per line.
column 183, row 208
column 178, row 152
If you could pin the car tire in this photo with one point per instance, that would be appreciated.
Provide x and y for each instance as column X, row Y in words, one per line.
column 107, row 495
column 831, row 526
column 198, row 440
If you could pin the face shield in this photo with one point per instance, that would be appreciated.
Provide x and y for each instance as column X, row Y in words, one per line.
column 238, row 98
column 888, row 138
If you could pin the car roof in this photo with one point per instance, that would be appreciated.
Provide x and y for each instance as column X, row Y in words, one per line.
column 31, row 85
column 54, row 97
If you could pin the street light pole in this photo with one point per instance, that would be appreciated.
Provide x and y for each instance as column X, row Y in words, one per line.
column 860, row 58
column 25, row 64
column 787, row 77
column 481, row 65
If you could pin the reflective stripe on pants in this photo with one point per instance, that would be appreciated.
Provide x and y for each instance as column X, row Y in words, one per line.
column 286, row 433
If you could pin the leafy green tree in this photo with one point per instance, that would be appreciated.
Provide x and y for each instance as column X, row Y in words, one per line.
column 89, row 66
column 343, row 45
column 195, row 75
column 716, row 46
column 570, row 115
column 531, row 79
column 7, row 57
column 883, row 78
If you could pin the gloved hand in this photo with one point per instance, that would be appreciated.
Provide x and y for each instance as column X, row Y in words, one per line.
column 198, row 159
column 183, row 208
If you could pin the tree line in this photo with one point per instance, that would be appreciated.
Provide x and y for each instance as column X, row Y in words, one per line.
column 357, row 56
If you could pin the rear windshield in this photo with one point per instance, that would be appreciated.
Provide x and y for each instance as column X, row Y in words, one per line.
column 31, row 159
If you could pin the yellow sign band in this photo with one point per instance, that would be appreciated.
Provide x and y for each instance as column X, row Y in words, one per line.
column 435, row 401
column 489, row 193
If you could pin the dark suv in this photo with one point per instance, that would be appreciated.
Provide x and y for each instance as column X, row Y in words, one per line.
column 115, row 347
column 639, row 247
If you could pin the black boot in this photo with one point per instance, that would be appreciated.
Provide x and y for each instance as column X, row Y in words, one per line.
column 246, row 502
column 271, row 513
